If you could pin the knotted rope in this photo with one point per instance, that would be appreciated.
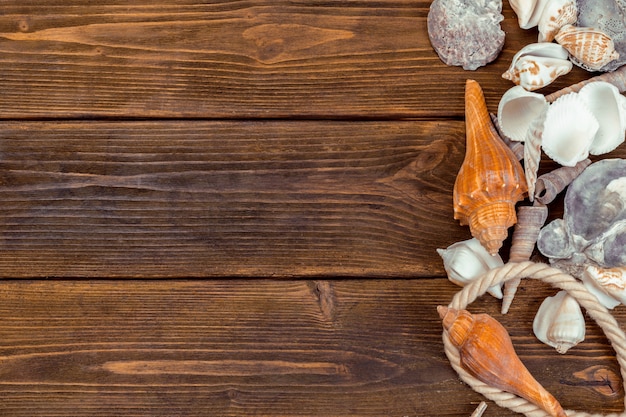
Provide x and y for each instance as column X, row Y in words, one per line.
column 558, row 279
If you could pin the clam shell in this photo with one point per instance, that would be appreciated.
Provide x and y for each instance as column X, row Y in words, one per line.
column 555, row 15
column 589, row 48
column 517, row 109
column 609, row 108
column 559, row 322
column 537, row 65
column 568, row 130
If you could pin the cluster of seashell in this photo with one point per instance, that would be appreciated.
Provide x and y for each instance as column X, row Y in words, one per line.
column 491, row 181
column 588, row 47
column 591, row 121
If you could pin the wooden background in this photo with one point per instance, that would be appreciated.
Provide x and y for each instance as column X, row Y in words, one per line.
column 232, row 209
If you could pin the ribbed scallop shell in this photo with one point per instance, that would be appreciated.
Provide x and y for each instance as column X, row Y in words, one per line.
column 555, row 15
column 491, row 179
column 569, row 130
column 537, row 65
column 589, row 48
column 609, row 107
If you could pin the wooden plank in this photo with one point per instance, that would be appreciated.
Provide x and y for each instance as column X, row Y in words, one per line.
column 210, row 199
column 252, row 59
column 280, row 348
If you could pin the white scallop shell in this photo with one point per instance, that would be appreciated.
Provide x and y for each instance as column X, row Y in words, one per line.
column 517, row 109
column 555, row 15
column 559, row 322
column 467, row 260
column 609, row 108
column 537, row 65
column 569, row 130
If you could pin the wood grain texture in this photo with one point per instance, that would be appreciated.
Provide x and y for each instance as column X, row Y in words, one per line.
column 248, row 59
column 207, row 199
column 234, row 348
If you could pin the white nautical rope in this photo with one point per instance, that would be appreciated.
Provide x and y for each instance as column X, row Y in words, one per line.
column 556, row 278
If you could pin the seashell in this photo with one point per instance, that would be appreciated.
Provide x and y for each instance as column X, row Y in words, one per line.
column 468, row 260
column 612, row 281
column 466, row 33
column 549, row 185
column 516, row 111
column 555, row 15
column 559, row 322
column 609, row 108
column 593, row 228
column 537, row 65
column 589, row 48
column 600, row 293
column 491, row 179
column 530, row 221
column 528, row 12
column 568, row 130
column 532, row 152
column 487, row 353
column 607, row 16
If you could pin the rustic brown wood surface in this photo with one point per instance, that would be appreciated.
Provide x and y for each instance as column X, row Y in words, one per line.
column 232, row 208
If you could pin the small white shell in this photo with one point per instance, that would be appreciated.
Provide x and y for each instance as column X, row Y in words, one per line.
column 537, row 65
column 608, row 106
column 589, row 48
column 517, row 110
column 569, row 130
column 612, row 281
column 467, row 260
column 555, row 15
column 560, row 322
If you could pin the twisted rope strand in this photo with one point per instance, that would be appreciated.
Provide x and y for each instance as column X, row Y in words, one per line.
column 558, row 279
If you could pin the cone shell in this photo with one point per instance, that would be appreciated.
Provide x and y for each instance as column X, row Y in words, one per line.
column 491, row 180
column 487, row 353
column 559, row 322
column 589, row 48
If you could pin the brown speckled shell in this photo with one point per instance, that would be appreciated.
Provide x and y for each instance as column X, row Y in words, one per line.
column 491, row 180
column 589, row 48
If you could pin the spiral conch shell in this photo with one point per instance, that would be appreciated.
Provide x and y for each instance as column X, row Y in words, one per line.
column 589, row 48
column 491, row 179
column 559, row 322
column 538, row 64
column 487, row 353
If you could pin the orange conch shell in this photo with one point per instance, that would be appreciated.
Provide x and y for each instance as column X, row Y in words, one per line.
column 491, row 180
column 486, row 352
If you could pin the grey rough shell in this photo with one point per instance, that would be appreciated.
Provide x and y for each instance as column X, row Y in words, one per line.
column 609, row 16
column 466, row 33
column 593, row 228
